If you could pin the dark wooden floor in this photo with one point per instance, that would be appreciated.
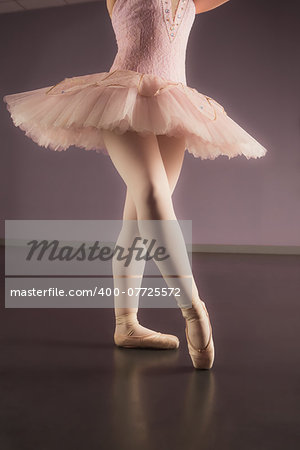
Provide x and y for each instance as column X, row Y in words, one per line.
column 64, row 386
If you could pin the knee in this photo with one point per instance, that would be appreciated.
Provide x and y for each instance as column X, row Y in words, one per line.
column 152, row 194
column 153, row 201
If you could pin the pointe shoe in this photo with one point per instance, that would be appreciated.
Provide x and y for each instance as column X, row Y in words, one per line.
column 152, row 340
column 202, row 358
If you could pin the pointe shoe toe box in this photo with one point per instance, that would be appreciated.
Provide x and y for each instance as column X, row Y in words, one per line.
column 202, row 359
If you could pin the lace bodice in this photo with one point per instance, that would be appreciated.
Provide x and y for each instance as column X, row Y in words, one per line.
column 149, row 39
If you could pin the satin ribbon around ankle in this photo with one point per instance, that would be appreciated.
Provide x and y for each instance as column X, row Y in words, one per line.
column 128, row 319
column 192, row 314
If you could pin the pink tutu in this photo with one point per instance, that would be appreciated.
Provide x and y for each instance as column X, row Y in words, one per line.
column 76, row 110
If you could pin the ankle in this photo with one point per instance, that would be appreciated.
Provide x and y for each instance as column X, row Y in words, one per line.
column 189, row 314
column 126, row 323
column 129, row 318
column 197, row 311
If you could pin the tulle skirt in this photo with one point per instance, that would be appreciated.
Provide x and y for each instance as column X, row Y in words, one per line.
column 78, row 109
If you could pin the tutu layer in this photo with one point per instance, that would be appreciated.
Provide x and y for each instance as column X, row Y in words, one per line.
column 76, row 110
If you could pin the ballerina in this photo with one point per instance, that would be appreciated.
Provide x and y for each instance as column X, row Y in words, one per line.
column 144, row 116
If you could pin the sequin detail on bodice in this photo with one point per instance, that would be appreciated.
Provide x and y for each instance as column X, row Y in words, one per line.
column 151, row 37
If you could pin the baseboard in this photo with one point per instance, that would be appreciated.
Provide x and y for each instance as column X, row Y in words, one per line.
column 222, row 248
column 243, row 248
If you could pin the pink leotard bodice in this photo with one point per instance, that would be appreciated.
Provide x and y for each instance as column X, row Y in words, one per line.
column 149, row 39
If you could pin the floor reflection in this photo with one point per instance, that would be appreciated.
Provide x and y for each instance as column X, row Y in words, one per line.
column 149, row 391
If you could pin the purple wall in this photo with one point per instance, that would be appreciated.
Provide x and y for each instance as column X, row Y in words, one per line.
column 243, row 54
